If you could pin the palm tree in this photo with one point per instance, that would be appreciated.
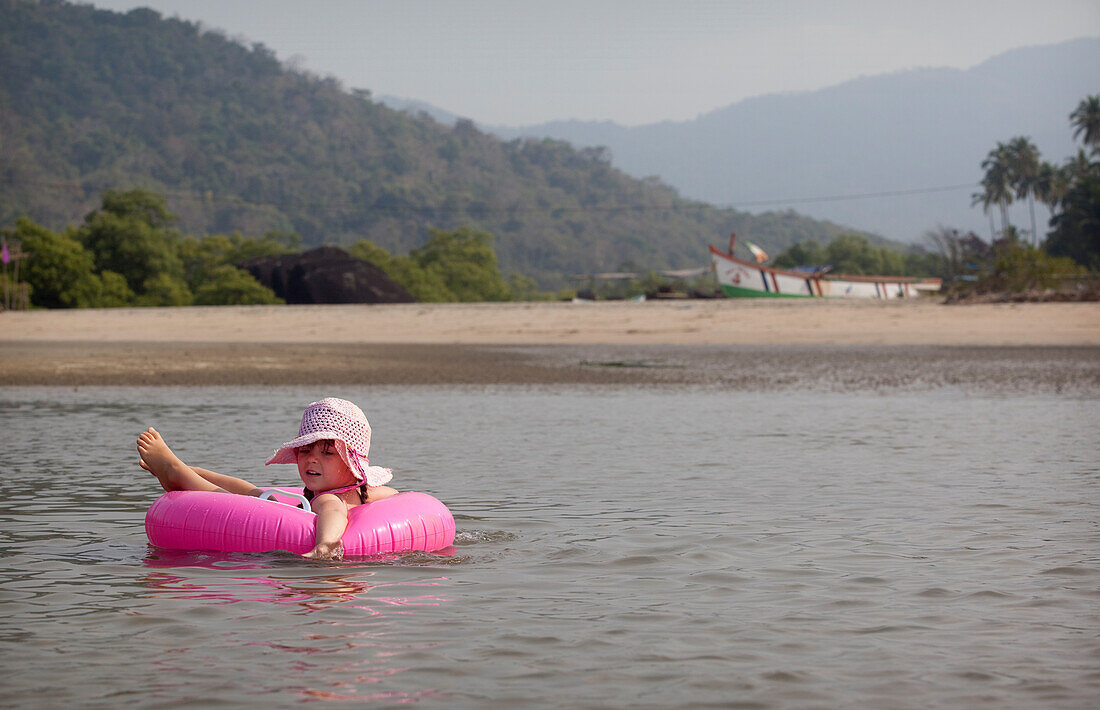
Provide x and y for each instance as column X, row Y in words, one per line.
column 1078, row 166
column 996, row 184
column 1086, row 119
column 1023, row 168
column 1050, row 185
column 986, row 200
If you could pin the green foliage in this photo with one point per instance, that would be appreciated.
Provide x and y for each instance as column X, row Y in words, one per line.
column 204, row 261
column 164, row 290
column 852, row 254
column 129, row 235
column 228, row 285
column 525, row 288
column 372, row 253
column 424, row 286
column 1086, row 120
column 113, row 292
column 141, row 205
column 125, row 254
column 1073, row 192
column 1018, row 267
column 1076, row 226
column 58, row 268
column 804, row 253
column 453, row 266
column 921, row 262
column 466, row 262
column 650, row 283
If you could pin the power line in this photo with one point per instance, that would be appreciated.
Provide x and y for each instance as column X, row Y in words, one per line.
column 206, row 196
column 860, row 196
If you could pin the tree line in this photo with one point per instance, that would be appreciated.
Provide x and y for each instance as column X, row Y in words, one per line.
column 853, row 253
column 1015, row 170
column 128, row 252
column 1015, row 260
column 1010, row 260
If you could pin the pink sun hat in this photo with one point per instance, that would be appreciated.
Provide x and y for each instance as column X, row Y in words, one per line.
column 344, row 423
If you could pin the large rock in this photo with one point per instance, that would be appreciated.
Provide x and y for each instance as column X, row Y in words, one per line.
column 325, row 275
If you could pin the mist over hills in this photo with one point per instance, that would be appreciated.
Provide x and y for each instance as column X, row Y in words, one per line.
column 92, row 100
column 921, row 133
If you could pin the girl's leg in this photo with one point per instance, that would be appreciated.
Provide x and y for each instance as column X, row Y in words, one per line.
column 231, row 484
column 175, row 475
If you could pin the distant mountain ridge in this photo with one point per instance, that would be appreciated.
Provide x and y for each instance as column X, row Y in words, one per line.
column 905, row 132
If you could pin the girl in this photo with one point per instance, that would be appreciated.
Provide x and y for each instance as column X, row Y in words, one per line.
column 331, row 453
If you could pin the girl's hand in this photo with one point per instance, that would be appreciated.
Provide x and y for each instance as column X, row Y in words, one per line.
column 326, row 551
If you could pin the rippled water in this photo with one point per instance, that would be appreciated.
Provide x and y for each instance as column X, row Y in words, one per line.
column 616, row 548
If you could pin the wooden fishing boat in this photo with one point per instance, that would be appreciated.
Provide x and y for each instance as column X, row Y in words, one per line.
column 744, row 279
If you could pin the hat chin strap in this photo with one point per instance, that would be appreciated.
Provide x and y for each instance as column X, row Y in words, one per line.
column 341, row 490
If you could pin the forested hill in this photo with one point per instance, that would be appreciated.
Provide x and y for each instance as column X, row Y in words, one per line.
column 92, row 100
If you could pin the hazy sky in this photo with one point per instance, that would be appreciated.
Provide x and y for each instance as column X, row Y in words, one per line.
column 516, row 62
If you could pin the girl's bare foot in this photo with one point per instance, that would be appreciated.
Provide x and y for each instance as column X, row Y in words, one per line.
column 158, row 459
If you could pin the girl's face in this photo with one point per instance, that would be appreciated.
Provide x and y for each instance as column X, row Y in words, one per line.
column 322, row 468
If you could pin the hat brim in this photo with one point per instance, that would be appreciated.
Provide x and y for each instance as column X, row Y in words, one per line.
column 360, row 468
column 288, row 452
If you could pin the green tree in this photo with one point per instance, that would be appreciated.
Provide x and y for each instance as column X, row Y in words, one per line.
column 164, row 290
column 1024, row 170
column 200, row 257
column 227, row 285
column 804, row 253
column 525, row 288
column 59, row 269
column 114, row 291
column 129, row 235
column 1086, row 120
column 204, row 261
column 1076, row 227
column 372, row 253
column 853, row 254
column 143, row 205
column 1018, row 267
column 996, row 184
column 1075, row 224
column 426, row 286
column 1051, row 185
column 465, row 260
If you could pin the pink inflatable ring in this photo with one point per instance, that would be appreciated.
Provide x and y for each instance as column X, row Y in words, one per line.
column 200, row 520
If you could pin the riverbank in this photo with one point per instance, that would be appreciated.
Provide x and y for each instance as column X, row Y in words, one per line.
column 727, row 343
column 697, row 322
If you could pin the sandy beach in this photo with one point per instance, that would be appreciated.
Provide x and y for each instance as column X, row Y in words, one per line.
column 732, row 343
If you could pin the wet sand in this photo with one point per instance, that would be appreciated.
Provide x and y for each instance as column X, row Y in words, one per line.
column 759, row 345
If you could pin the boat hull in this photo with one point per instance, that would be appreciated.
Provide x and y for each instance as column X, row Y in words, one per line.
column 743, row 279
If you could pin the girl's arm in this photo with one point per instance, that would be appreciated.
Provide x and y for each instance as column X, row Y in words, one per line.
column 229, row 484
column 332, row 521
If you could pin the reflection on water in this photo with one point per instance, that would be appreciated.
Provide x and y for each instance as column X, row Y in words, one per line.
column 242, row 582
column 317, row 592
column 615, row 548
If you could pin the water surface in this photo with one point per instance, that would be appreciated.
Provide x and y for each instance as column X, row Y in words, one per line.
column 617, row 547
